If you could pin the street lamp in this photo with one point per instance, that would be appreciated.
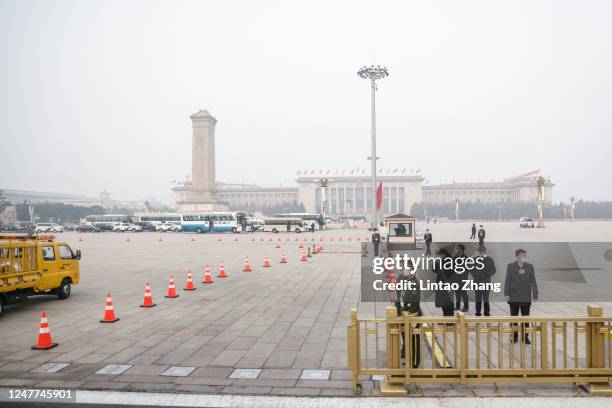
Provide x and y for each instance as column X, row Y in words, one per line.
column 323, row 182
column 373, row 73
column 541, row 182
column 572, row 206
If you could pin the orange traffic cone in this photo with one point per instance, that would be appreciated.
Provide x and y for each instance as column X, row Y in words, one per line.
column 312, row 239
column 305, row 239
column 367, row 238
column 277, row 245
column 252, row 238
column 321, row 239
column 301, row 246
column 218, row 239
column 358, row 238
column 81, row 238
column 189, row 283
column 266, row 263
column 192, row 239
column 109, row 311
column 321, row 247
column 288, row 239
column 235, row 239
column 44, row 335
column 261, row 239
column 148, row 299
column 349, row 239
column 160, row 238
column 247, row 265
column 303, row 257
column 128, row 239
column 221, row 273
column 331, row 239
column 207, row 275
column 270, row 239
column 171, row 289
column 283, row 259
column 340, row 239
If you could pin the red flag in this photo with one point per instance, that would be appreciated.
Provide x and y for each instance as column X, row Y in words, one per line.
column 379, row 196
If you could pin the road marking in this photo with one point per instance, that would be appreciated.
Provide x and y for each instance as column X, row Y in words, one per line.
column 114, row 369
column 177, row 371
column 50, row 368
column 315, row 375
column 245, row 373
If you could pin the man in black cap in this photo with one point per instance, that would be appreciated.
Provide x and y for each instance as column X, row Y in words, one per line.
column 519, row 288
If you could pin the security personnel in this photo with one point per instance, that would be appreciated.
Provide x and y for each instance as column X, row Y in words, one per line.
column 460, row 294
column 428, row 239
column 483, row 276
column 411, row 303
column 481, row 236
column 443, row 297
column 473, row 236
column 376, row 241
column 519, row 288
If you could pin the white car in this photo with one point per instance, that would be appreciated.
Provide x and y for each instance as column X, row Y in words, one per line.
column 48, row 227
column 526, row 222
column 168, row 227
column 124, row 227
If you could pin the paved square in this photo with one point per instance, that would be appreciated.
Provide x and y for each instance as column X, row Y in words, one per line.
column 274, row 331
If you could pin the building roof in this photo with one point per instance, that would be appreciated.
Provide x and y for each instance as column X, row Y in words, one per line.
column 359, row 179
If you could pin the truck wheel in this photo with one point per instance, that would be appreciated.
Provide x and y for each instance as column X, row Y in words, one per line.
column 63, row 292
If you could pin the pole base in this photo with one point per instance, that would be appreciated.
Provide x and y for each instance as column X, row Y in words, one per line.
column 598, row 388
column 388, row 389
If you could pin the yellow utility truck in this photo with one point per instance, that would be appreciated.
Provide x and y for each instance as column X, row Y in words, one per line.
column 35, row 265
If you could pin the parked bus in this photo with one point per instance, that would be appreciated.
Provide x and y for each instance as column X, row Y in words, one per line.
column 283, row 224
column 153, row 221
column 201, row 222
column 307, row 219
column 106, row 222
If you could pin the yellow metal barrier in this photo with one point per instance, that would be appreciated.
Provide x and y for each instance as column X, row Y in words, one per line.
column 465, row 349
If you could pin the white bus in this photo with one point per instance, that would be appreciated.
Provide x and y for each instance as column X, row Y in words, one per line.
column 202, row 222
column 307, row 219
column 107, row 221
column 283, row 224
column 152, row 221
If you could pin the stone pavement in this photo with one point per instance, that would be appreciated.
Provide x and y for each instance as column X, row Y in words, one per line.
column 274, row 331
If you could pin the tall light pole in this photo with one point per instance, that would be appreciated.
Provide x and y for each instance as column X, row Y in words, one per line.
column 373, row 73
column 541, row 182
column 572, row 206
column 323, row 182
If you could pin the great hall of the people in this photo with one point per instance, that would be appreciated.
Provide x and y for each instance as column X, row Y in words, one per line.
column 349, row 191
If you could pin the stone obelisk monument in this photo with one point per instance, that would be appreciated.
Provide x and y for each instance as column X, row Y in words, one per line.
column 202, row 196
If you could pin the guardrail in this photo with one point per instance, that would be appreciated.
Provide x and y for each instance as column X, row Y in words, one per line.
column 464, row 349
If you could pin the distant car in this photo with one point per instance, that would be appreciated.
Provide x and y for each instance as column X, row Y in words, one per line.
column 125, row 227
column 526, row 222
column 87, row 228
column 168, row 227
column 48, row 227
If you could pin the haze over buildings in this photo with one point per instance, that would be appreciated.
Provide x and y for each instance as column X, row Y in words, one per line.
column 97, row 94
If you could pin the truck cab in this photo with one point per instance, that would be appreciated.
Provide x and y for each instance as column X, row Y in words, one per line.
column 36, row 265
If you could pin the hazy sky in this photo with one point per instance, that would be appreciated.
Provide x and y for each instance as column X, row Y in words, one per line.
column 97, row 94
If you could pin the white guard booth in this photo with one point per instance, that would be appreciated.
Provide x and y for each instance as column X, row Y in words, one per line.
column 401, row 232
